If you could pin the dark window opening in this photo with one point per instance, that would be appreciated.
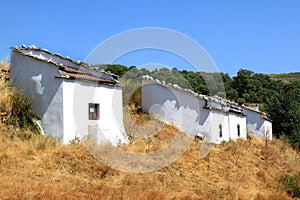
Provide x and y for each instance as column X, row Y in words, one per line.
column 207, row 105
column 220, row 130
column 238, row 130
column 93, row 111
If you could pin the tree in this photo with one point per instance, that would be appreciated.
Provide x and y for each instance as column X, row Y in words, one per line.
column 243, row 81
column 280, row 100
column 284, row 109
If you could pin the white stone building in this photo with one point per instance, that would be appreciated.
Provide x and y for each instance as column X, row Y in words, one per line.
column 258, row 123
column 71, row 98
column 212, row 118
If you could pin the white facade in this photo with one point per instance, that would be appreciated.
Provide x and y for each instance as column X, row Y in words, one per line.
column 63, row 103
column 191, row 114
column 258, row 124
column 237, row 126
column 109, row 127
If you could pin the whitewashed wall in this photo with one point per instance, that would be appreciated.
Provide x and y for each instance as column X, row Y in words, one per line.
column 257, row 125
column 174, row 107
column 186, row 112
column 109, row 127
column 36, row 79
column 219, row 118
column 267, row 130
column 63, row 104
column 234, row 121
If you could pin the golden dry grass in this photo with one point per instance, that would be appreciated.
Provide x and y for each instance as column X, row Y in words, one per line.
column 40, row 168
column 6, row 93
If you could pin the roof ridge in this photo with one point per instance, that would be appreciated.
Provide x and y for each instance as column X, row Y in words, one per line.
column 66, row 71
column 77, row 62
column 216, row 99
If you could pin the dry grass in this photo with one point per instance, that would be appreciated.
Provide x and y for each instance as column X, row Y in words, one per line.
column 40, row 168
column 6, row 92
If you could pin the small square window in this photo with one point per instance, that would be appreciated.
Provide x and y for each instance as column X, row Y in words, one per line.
column 93, row 111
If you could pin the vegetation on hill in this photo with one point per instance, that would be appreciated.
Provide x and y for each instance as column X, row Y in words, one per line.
column 279, row 99
column 34, row 166
column 286, row 77
column 39, row 168
column 15, row 109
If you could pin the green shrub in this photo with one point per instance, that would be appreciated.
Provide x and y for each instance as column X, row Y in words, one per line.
column 15, row 113
column 21, row 113
column 291, row 183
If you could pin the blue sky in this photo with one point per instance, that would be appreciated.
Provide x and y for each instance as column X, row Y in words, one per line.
column 260, row 35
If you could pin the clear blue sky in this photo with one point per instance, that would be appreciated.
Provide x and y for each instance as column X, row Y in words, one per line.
column 260, row 35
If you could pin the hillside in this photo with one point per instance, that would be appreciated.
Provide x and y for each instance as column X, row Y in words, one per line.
column 286, row 77
column 33, row 166
column 278, row 99
column 39, row 168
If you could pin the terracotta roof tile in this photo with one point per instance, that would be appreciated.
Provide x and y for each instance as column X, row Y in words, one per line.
column 75, row 74
column 264, row 116
column 89, row 78
column 73, row 70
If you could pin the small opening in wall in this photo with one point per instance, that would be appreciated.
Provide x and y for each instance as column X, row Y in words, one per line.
column 238, row 130
column 94, row 111
column 220, row 130
column 207, row 105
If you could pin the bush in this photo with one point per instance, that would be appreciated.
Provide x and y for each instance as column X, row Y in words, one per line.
column 21, row 113
column 291, row 183
column 15, row 111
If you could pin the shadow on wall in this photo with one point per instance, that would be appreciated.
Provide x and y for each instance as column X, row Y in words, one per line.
column 176, row 107
column 32, row 80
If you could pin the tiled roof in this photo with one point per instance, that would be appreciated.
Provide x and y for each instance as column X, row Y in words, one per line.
column 264, row 116
column 67, row 72
column 225, row 105
column 75, row 74
column 73, row 70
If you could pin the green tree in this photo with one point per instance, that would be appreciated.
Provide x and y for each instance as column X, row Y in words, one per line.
column 284, row 109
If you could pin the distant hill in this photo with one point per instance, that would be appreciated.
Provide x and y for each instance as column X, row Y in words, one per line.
column 289, row 77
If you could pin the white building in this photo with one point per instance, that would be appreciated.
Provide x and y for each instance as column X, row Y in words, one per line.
column 71, row 98
column 258, row 123
column 212, row 118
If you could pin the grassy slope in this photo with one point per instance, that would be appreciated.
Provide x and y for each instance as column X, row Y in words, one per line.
column 39, row 168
